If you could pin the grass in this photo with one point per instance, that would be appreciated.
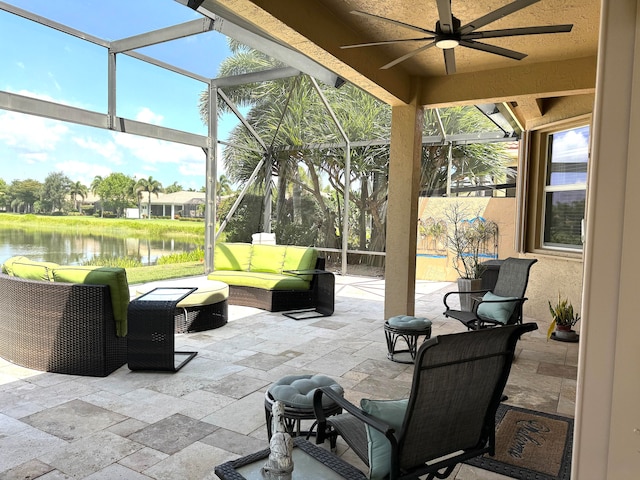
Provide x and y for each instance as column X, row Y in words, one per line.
column 163, row 272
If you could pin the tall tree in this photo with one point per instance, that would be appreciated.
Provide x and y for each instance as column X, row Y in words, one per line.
column 115, row 191
column 149, row 185
column 77, row 189
column 23, row 194
column 55, row 191
column 173, row 188
column 95, row 189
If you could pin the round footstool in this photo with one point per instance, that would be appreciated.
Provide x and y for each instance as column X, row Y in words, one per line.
column 204, row 309
column 409, row 329
column 296, row 392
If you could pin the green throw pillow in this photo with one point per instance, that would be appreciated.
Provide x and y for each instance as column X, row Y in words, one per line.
column 500, row 312
column 392, row 413
column 7, row 266
column 115, row 278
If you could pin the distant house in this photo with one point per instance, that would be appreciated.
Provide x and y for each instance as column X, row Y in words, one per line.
column 183, row 204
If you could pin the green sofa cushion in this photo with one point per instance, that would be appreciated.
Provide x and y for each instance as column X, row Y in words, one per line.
column 267, row 258
column 232, row 256
column 265, row 281
column 300, row 258
column 115, row 278
column 32, row 270
column 7, row 266
column 392, row 413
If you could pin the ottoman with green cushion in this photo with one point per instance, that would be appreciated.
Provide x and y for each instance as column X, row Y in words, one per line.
column 296, row 392
column 408, row 328
column 204, row 309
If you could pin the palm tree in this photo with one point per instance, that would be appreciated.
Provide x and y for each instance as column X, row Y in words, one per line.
column 95, row 189
column 149, row 185
column 77, row 189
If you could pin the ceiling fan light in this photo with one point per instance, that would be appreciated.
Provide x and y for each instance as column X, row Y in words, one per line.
column 445, row 43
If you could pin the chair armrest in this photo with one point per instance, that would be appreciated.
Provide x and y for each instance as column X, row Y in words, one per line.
column 446, row 295
column 370, row 420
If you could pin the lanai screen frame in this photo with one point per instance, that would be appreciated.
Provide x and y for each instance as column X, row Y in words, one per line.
column 259, row 40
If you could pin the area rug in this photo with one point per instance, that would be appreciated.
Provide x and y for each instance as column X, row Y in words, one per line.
column 530, row 445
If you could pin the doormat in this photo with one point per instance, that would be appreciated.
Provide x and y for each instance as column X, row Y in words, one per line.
column 530, row 445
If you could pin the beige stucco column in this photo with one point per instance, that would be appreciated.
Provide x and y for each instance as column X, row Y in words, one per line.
column 402, row 210
column 607, row 436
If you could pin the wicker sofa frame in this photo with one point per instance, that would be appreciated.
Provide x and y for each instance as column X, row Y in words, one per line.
column 279, row 300
column 59, row 327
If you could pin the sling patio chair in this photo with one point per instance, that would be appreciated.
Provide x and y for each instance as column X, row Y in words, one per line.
column 500, row 306
column 449, row 416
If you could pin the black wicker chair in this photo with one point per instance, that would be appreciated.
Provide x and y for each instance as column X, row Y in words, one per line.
column 449, row 416
column 508, row 293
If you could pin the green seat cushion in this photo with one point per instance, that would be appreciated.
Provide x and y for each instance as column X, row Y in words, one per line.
column 379, row 449
column 265, row 281
column 232, row 256
column 115, row 278
column 500, row 312
column 267, row 258
column 31, row 270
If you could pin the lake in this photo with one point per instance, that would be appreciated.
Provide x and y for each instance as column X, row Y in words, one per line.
column 67, row 248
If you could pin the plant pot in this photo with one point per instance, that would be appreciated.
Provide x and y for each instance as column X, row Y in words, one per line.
column 565, row 334
column 468, row 285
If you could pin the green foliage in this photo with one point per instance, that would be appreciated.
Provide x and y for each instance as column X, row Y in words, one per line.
column 116, row 191
column 55, row 190
column 162, row 272
column 109, row 261
column 183, row 257
column 246, row 220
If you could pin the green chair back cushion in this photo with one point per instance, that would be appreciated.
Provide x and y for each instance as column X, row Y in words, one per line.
column 300, row 258
column 267, row 258
column 232, row 256
column 115, row 278
column 7, row 266
column 500, row 312
column 22, row 267
column 392, row 413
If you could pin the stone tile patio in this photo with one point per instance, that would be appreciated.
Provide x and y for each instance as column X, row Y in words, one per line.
column 152, row 425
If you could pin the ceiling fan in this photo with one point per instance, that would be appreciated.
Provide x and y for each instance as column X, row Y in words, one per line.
column 449, row 33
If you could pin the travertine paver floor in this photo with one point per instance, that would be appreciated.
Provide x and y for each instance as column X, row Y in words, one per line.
column 141, row 425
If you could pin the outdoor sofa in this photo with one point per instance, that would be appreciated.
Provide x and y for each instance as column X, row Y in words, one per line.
column 263, row 276
column 63, row 319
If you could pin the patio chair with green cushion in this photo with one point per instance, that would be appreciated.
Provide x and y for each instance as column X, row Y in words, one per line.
column 503, row 304
column 449, row 416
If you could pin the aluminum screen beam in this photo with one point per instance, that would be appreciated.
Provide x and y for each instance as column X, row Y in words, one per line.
column 162, row 35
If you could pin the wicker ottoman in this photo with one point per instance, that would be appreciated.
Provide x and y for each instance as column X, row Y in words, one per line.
column 204, row 309
column 296, row 392
column 409, row 329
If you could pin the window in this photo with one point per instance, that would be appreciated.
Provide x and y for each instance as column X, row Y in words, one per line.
column 565, row 188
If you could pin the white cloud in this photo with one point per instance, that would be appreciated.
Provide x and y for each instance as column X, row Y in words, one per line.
column 29, row 133
column 34, row 158
column 147, row 116
column 82, row 171
column 106, row 149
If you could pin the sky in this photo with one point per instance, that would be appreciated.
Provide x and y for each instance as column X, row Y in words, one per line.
column 44, row 63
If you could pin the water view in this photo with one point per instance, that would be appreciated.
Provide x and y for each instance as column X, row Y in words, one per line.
column 67, row 248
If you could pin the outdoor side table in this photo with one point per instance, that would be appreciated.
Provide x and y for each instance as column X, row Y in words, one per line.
column 309, row 463
column 324, row 297
column 151, row 336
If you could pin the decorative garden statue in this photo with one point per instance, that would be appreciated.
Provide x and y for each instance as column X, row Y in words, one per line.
column 280, row 463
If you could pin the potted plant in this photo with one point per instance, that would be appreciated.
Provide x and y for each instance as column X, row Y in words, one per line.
column 563, row 320
column 468, row 237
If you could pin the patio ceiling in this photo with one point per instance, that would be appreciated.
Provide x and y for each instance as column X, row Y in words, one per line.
column 556, row 65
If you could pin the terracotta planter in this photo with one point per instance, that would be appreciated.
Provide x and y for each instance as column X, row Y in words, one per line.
column 468, row 285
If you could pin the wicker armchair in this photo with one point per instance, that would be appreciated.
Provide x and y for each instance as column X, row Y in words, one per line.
column 59, row 327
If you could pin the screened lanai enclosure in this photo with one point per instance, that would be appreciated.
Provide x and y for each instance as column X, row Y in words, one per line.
column 284, row 145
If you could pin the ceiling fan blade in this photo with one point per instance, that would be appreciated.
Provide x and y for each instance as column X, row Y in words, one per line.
column 496, row 15
column 449, row 61
column 445, row 16
column 405, row 57
column 493, row 49
column 511, row 32
column 390, row 20
column 387, row 42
